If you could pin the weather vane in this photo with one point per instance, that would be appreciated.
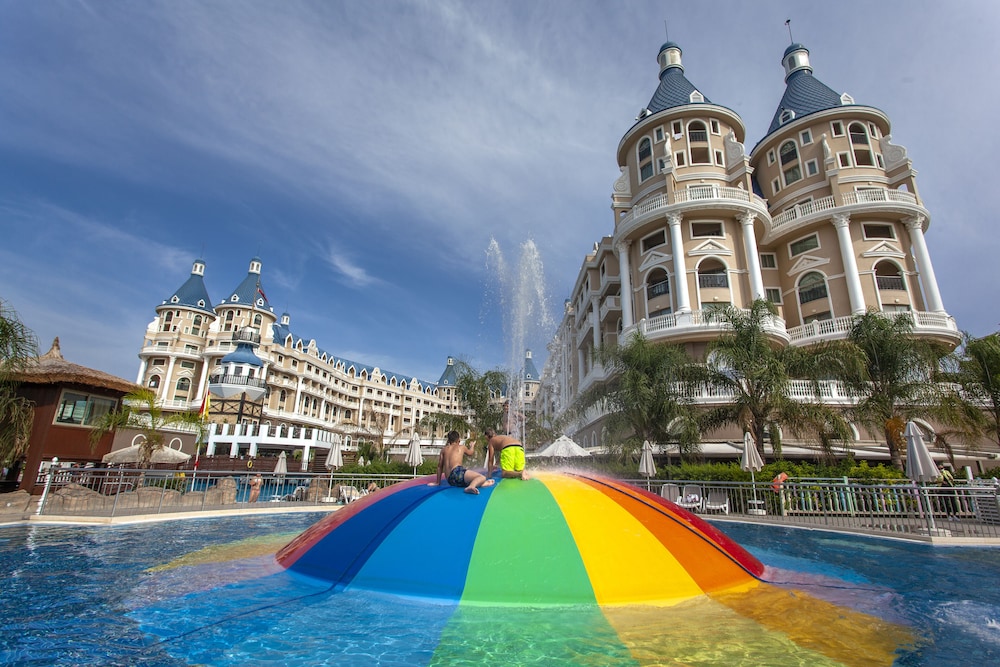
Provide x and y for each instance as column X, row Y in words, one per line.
column 788, row 24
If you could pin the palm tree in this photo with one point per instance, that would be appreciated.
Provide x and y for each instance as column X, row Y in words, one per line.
column 898, row 378
column 17, row 347
column 140, row 411
column 645, row 398
column 744, row 363
column 480, row 395
column 979, row 375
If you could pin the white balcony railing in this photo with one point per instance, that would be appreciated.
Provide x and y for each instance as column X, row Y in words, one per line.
column 698, row 193
column 840, row 327
column 867, row 196
column 677, row 323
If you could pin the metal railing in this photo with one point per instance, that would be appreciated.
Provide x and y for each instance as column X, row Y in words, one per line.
column 898, row 510
column 902, row 509
column 115, row 492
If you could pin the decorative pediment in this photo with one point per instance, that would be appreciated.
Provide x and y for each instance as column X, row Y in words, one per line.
column 710, row 247
column 884, row 249
column 655, row 259
column 807, row 262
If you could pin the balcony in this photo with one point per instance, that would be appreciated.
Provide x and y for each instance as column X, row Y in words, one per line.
column 894, row 283
column 229, row 386
column 710, row 280
column 700, row 196
column 940, row 326
column 696, row 325
column 610, row 305
column 817, row 209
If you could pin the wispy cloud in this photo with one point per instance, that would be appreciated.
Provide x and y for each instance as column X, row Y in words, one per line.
column 355, row 276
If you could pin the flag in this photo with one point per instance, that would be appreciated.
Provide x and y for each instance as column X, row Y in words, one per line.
column 205, row 407
column 261, row 292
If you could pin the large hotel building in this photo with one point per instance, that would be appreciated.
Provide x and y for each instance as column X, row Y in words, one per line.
column 822, row 217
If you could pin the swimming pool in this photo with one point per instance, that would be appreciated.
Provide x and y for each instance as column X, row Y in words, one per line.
column 205, row 591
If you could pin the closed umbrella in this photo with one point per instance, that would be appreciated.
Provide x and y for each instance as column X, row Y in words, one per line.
column 133, row 454
column 334, row 458
column 281, row 467
column 647, row 468
column 920, row 467
column 751, row 462
column 414, row 457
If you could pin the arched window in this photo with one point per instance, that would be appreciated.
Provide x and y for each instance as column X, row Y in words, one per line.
column 698, row 143
column 281, row 399
column 229, row 321
column 196, row 325
column 812, row 286
column 712, row 273
column 790, row 162
column 168, row 318
column 183, row 385
column 154, row 382
column 861, row 145
column 645, row 159
column 256, row 320
column 657, row 284
column 888, row 277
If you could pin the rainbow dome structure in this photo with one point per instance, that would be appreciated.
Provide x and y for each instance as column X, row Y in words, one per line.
column 557, row 538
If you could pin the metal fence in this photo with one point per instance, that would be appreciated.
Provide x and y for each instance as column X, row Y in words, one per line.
column 111, row 492
column 895, row 510
column 901, row 509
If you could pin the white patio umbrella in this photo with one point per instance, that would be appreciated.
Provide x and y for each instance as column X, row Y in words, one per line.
column 334, row 458
column 133, row 453
column 414, row 457
column 562, row 447
column 281, row 467
column 920, row 467
column 751, row 462
column 647, row 468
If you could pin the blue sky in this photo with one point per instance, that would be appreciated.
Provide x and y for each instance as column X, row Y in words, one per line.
column 368, row 152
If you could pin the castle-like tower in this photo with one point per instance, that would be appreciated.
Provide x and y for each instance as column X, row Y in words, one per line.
column 270, row 389
column 822, row 218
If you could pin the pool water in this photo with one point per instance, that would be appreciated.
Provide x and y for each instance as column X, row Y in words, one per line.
column 207, row 591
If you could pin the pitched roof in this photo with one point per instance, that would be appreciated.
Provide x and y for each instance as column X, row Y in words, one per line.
column 249, row 291
column 52, row 368
column 193, row 292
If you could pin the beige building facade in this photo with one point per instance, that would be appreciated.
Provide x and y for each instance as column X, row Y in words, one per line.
column 822, row 217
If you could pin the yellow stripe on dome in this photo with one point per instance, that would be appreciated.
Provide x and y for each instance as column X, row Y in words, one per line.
column 625, row 562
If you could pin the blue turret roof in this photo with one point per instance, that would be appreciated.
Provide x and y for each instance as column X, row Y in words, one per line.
column 450, row 375
column 243, row 354
column 529, row 370
column 193, row 293
column 249, row 291
column 804, row 93
column 674, row 89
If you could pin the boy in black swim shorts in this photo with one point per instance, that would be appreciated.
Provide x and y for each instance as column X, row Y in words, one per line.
column 450, row 459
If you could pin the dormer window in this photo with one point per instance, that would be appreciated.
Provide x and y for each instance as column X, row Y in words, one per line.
column 790, row 162
column 786, row 116
column 697, row 97
column 645, row 159
column 846, row 99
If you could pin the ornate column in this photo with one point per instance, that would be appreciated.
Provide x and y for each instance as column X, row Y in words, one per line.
column 625, row 273
column 680, row 269
column 139, row 380
column 842, row 221
column 932, row 294
column 201, row 379
column 165, row 390
column 753, row 257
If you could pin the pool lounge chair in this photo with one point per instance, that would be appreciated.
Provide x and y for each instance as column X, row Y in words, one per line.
column 717, row 501
column 692, row 498
column 670, row 492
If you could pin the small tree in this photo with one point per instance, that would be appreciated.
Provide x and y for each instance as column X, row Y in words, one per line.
column 17, row 347
column 900, row 377
column 979, row 375
column 140, row 411
column 480, row 395
column 758, row 373
column 646, row 397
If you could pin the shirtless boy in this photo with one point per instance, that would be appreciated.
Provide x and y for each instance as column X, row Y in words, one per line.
column 451, row 458
column 506, row 451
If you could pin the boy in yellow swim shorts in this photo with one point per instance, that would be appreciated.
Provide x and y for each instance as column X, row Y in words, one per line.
column 506, row 451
